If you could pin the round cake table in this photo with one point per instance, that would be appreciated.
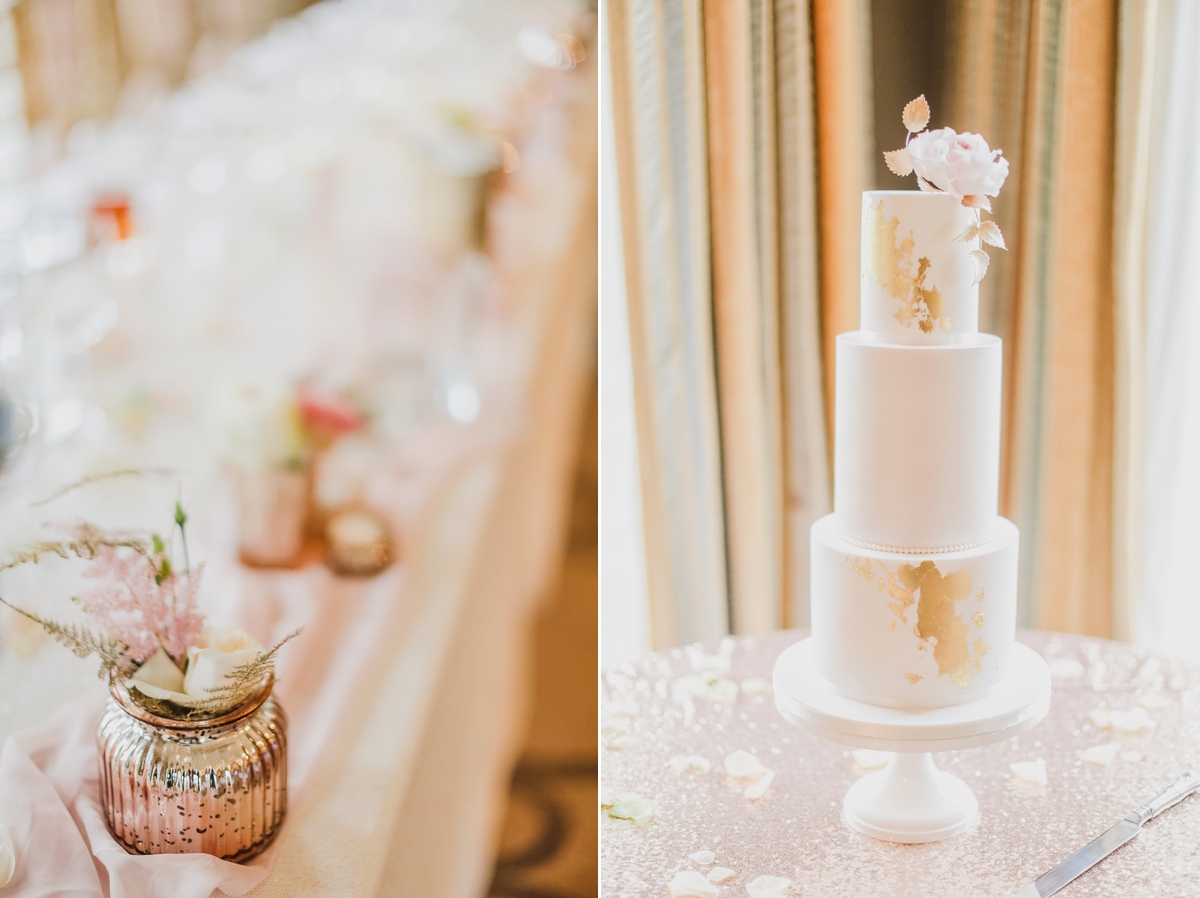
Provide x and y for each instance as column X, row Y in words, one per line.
column 679, row 712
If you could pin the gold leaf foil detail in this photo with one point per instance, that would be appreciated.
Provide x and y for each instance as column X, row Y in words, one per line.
column 981, row 648
column 892, row 627
column 892, row 264
column 977, row 620
column 979, row 595
column 913, row 678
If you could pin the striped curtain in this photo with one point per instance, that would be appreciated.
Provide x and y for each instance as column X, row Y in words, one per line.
column 714, row 122
column 1062, row 86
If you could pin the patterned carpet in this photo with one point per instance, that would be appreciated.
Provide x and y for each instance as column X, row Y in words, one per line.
column 548, row 845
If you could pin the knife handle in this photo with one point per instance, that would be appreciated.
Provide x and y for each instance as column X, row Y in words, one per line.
column 1168, row 797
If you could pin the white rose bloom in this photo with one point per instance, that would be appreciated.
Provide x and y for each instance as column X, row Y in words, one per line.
column 959, row 164
column 214, row 657
column 8, row 858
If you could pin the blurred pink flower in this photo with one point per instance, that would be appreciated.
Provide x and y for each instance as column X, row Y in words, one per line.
column 327, row 412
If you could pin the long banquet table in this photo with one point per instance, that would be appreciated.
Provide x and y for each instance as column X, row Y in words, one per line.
column 406, row 692
column 1096, row 771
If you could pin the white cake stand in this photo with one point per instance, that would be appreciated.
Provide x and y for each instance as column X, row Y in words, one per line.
column 911, row 800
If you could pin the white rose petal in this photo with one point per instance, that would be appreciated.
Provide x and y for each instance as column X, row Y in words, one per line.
column 704, row 661
column 1100, row 717
column 621, row 708
column 1132, row 721
column 1030, row 771
column 1066, row 668
column 769, row 886
column 958, row 164
column 1154, row 701
column 611, row 726
column 619, row 743
column 870, row 759
column 690, row 764
column 720, row 874
column 741, row 765
column 8, row 858
column 631, row 806
column 1101, row 755
column 214, row 658
column 158, row 678
column 760, row 787
column 703, row 858
column 691, row 884
column 756, row 686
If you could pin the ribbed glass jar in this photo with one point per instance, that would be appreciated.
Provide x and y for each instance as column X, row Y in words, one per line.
column 216, row 786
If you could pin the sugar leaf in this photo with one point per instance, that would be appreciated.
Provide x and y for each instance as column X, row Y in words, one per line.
column 916, row 114
column 899, row 162
column 977, row 201
column 981, row 260
column 990, row 232
column 970, row 232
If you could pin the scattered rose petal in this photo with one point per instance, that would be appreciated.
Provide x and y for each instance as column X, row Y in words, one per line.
column 705, row 661
column 1132, row 756
column 606, row 800
column 760, row 787
column 769, row 887
column 623, row 707
column 870, row 759
column 742, row 765
column 703, row 858
column 1132, row 721
column 1101, row 755
column 1100, row 717
column 899, row 162
column 619, row 743
column 916, row 114
column 1066, row 668
column 631, row 806
column 1154, row 701
column 690, row 764
column 720, row 874
column 709, row 686
column 611, row 726
column 691, row 884
column 756, row 686
column 1030, row 771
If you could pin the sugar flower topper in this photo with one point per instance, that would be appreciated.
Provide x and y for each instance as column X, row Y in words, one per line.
column 961, row 165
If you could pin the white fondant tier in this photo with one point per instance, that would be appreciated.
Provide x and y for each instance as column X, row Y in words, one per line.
column 917, row 442
column 913, row 632
column 916, row 279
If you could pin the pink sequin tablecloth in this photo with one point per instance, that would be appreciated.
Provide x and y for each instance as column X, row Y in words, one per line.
column 795, row 831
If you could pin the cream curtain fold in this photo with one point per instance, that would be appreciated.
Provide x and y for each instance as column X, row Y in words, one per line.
column 655, row 50
column 715, row 122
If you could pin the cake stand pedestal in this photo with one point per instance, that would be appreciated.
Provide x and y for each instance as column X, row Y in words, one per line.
column 911, row 800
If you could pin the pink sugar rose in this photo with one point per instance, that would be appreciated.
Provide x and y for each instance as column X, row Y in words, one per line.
column 959, row 164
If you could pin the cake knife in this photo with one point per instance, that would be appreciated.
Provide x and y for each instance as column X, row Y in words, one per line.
column 1106, row 843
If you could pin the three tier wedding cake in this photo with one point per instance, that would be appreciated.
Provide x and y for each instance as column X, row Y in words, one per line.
column 914, row 574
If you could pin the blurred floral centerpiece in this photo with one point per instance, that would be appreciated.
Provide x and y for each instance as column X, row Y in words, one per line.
column 191, row 714
column 270, row 434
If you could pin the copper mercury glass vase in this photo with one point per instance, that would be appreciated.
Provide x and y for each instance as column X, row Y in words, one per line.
column 214, row 786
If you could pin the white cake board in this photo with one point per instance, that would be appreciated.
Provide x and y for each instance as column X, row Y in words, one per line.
column 911, row 800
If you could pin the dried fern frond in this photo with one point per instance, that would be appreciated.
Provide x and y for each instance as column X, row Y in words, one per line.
column 84, row 548
column 107, row 475
column 245, row 679
column 114, row 658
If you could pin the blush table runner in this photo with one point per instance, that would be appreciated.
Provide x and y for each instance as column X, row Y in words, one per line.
column 795, row 830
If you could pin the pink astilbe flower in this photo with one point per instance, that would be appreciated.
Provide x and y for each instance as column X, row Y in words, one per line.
column 136, row 603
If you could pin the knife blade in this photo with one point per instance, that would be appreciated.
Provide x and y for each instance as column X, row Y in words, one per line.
column 1106, row 843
